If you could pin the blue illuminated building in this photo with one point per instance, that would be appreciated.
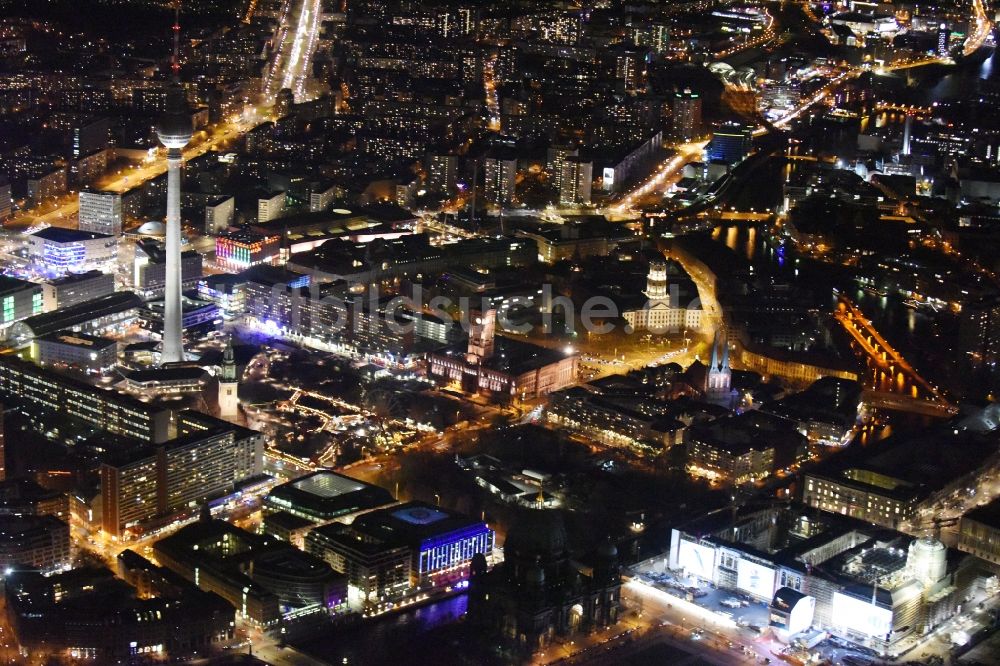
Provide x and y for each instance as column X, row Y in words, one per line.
column 730, row 143
column 56, row 251
column 432, row 545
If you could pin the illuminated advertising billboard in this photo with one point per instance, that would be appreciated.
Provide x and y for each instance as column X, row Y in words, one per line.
column 861, row 615
column 755, row 579
column 609, row 178
column 698, row 560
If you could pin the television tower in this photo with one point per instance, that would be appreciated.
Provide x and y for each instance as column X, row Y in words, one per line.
column 174, row 131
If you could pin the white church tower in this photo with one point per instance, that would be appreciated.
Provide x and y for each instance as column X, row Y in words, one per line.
column 229, row 402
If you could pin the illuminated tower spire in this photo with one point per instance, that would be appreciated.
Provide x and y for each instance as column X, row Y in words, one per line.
column 174, row 131
column 228, row 384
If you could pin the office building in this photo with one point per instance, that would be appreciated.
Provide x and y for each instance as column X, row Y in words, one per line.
column 75, row 288
column 101, row 212
column 263, row 578
column 730, row 143
column 79, row 351
column 377, row 573
column 888, row 486
column 43, row 394
column 19, row 299
column 686, row 108
column 55, row 251
column 149, row 269
column 241, row 249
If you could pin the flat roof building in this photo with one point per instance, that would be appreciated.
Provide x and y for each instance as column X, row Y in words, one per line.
column 261, row 577
column 103, row 314
column 76, row 288
column 897, row 483
column 79, row 351
column 56, row 251
column 43, row 393
column 324, row 495
column 871, row 586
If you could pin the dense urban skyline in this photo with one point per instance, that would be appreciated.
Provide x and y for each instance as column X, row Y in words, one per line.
column 514, row 332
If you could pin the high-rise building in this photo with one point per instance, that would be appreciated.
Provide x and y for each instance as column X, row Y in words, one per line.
column 687, row 115
column 42, row 393
column 182, row 473
column 442, row 172
column 943, row 34
column 6, row 203
column 501, row 176
column 270, row 206
column 557, row 156
column 174, row 131
column 3, row 447
column 101, row 212
column 577, row 177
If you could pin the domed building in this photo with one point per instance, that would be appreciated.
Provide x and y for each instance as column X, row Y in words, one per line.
column 538, row 592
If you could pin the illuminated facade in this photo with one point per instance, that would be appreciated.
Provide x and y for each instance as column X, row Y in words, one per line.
column 659, row 314
column 870, row 586
column 180, row 474
column 56, row 251
column 19, row 299
column 502, row 367
column 440, row 544
column 42, row 392
column 243, row 249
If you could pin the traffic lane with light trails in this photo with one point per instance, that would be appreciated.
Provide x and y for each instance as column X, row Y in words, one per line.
column 686, row 153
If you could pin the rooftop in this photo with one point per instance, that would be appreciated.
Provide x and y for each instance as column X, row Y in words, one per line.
column 327, row 484
column 323, row 495
column 60, row 235
column 78, row 340
column 74, row 315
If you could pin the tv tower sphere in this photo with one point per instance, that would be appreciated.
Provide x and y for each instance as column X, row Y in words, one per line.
column 174, row 128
